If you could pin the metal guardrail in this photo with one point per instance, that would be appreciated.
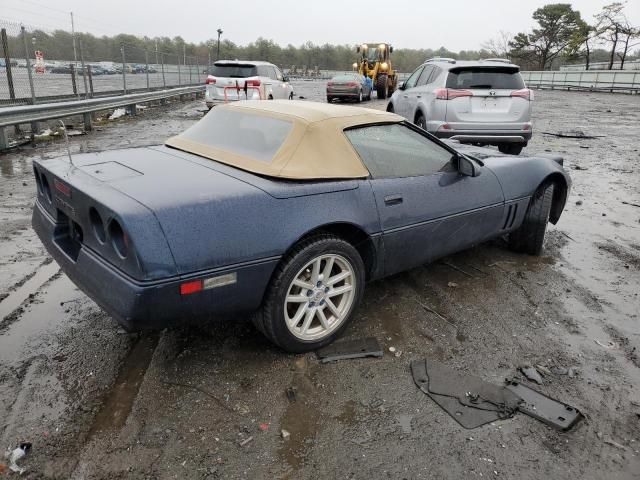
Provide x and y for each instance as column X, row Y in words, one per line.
column 623, row 81
column 10, row 116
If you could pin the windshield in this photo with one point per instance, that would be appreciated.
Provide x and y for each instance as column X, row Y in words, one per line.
column 233, row 70
column 254, row 136
column 485, row 77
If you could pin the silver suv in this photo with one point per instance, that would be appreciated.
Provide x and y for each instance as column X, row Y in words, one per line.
column 482, row 102
column 230, row 80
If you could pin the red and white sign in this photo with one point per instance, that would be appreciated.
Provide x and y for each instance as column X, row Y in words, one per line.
column 39, row 66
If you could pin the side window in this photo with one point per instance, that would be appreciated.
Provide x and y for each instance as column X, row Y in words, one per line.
column 263, row 71
column 434, row 75
column 395, row 150
column 411, row 81
column 424, row 76
column 279, row 75
column 272, row 73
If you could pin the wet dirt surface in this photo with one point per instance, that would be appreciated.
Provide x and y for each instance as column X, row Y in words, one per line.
column 210, row 402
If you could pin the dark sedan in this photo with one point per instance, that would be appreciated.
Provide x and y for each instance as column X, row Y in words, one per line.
column 282, row 210
column 349, row 86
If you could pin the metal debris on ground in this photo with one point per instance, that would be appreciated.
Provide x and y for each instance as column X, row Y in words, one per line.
column 285, row 434
column 532, row 374
column 245, row 441
column 452, row 284
column 573, row 134
column 471, row 401
column 348, row 349
column 537, row 405
column 632, row 204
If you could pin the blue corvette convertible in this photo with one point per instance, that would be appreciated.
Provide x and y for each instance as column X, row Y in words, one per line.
column 283, row 210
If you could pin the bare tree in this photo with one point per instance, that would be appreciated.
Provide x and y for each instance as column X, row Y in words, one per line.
column 611, row 25
column 498, row 46
column 629, row 33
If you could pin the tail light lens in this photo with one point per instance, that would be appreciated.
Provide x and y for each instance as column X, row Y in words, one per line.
column 524, row 93
column 253, row 83
column 210, row 80
column 451, row 93
column 119, row 238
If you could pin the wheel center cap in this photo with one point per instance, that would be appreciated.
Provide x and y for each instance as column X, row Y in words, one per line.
column 318, row 295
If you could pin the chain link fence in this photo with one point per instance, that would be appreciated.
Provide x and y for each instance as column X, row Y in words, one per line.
column 39, row 65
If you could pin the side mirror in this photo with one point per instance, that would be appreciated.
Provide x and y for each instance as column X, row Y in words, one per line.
column 467, row 167
column 402, row 86
column 390, row 49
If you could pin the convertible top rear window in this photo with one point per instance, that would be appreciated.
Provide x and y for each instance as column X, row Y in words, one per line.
column 255, row 136
column 485, row 77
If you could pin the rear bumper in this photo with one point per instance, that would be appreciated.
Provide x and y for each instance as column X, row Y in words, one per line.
column 154, row 304
column 343, row 93
column 485, row 137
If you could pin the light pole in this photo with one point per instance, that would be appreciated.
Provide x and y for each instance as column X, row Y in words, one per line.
column 209, row 48
column 218, row 53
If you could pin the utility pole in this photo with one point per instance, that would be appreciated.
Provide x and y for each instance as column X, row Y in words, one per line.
column 73, row 37
column 218, row 53
column 157, row 62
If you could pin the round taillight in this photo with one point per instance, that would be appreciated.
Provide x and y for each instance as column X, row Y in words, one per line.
column 118, row 238
column 97, row 225
column 45, row 187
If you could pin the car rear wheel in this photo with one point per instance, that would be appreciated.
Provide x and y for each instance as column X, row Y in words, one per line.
column 529, row 237
column 312, row 295
column 511, row 148
column 329, row 99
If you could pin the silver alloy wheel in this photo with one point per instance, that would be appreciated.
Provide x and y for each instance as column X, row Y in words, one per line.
column 360, row 96
column 320, row 297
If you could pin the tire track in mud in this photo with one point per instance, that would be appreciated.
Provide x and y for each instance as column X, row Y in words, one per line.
column 13, row 306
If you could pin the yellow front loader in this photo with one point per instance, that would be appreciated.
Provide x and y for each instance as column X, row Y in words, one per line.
column 374, row 62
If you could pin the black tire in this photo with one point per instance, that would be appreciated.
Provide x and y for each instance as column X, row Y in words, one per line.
column 329, row 99
column 291, row 96
column 529, row 237
column 421, row 121
column 270, row 318
column 390, row 108
column 382, row 87
column 511, row 148
column 360, row 97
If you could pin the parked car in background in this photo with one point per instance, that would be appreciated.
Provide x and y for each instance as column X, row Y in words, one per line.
column 482, row 102
column 282, row 210
column 61, row 69
column 230, row 80
column 349, row 86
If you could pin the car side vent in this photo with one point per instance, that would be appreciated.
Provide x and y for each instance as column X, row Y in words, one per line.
column 513, row 217
column 508, row 216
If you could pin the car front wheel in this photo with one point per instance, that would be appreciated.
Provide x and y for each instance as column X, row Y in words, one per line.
column 529, row 237
column 312, row 295
column 421, row 122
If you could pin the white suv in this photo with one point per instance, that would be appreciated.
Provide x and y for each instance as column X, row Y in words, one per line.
column 230, row 80
column 482, row 102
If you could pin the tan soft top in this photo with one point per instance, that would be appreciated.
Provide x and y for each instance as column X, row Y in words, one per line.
column 314, row 145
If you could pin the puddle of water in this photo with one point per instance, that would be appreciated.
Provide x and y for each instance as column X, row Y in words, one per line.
column 301, row 418
column 119, row 399
column 15, row 298
column 40, row 318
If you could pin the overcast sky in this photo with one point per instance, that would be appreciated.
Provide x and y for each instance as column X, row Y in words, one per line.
column 454, row 24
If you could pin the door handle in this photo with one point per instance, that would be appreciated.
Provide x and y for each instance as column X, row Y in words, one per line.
column 419, row 96
column 393, row 199
column 406, row 96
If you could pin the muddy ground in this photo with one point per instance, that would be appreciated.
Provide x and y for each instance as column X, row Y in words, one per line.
column 99, row 403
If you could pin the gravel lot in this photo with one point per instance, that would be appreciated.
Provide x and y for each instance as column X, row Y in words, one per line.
column 99, row 403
